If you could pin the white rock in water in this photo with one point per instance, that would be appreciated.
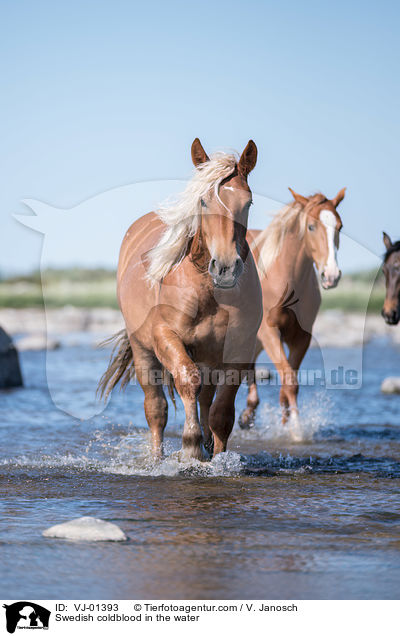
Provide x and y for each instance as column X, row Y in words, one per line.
column 86, row 529
column 391, row 385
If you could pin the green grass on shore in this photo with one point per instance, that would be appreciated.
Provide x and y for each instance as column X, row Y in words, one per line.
column 97, row 288
column 57, row 288
column 356, row 292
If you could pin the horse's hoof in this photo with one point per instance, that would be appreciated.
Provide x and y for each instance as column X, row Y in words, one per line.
column 187, row 453
column 246, row 421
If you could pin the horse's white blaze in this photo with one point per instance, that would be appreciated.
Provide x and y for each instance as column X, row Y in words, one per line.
column 226, row 258
column 216, row 193
column 328, row 219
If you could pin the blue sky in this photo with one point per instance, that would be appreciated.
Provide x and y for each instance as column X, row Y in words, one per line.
column 97, row 95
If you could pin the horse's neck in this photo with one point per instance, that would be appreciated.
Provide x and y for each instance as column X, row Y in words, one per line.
column 294, row 259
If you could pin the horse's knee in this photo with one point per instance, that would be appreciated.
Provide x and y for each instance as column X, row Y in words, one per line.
column 188, row 382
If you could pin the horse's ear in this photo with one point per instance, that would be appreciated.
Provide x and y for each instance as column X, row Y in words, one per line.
column 387, row 241
column 298, row 198
column 339, row 197
column 248, row 159
column 199, row 155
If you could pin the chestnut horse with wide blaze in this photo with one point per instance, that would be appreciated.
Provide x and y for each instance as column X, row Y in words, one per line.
column 302, row 237
column 189, row 292
column 391, row 271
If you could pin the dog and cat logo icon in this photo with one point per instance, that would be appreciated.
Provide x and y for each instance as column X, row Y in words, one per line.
column 26, row 615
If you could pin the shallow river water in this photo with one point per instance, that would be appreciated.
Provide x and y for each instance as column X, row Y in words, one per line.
column 272, row 518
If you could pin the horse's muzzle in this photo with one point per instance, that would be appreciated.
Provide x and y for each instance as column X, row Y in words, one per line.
column 330, row 282
column 391, row 317
column 225, row 276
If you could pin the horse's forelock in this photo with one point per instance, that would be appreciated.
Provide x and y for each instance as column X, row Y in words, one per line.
column 182, row 216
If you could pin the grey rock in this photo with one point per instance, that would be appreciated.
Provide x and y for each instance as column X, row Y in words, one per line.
column 10, row 371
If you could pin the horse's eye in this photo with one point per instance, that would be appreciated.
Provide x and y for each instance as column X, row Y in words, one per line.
column 203, row 204
column 311, row 227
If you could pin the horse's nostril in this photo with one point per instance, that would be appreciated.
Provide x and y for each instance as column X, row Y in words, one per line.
column 222, row 271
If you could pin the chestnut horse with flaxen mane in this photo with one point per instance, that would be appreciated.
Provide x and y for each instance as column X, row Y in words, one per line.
column 190, row 295
column 302, row 238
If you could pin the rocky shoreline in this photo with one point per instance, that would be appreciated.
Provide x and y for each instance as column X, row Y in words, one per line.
column 70, row 326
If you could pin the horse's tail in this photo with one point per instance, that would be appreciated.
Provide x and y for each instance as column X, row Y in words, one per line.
column 121, row 367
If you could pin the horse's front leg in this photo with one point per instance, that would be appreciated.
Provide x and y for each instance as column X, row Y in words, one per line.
column 205, row 400
column 172, row 354
column 222, row 415
column 247, row 416
column 298, row 347
column 271, row 340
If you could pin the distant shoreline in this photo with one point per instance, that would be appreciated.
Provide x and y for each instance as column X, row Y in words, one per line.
column 70, row 326
column 81, row 306
column 94, row 288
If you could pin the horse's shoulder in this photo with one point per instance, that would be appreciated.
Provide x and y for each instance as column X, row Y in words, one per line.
column 151, row 219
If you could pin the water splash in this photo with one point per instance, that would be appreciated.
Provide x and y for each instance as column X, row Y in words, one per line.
column 123, row 448
column 120, row 461
column 314, row 417
column 118, row 451
column 226, row 464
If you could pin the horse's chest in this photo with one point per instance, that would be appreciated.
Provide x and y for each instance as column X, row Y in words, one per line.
column 211, row 330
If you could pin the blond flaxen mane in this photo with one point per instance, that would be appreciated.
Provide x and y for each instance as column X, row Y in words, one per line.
column 270, row 240
column 291, row 218
column 182, row 216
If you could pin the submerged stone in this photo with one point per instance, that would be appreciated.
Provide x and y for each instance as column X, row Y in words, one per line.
column 86, row 529
column 391, row 385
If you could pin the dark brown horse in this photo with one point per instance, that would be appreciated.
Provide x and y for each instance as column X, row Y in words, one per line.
column 189, row 292
column 391, row 270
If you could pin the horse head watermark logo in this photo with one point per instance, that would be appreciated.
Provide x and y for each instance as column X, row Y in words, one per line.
column 26, row 615
column 90, row 234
